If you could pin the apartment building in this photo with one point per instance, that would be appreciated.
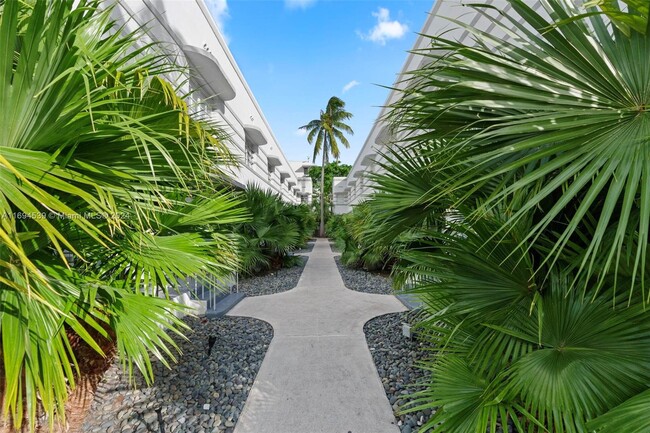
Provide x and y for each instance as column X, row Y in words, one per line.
column 218, row 90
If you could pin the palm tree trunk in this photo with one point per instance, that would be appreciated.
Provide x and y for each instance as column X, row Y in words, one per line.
column 321, row 231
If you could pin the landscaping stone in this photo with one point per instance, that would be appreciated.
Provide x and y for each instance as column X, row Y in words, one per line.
column 362, row 281
column 307, row 249
column 317, row 375
column 395, row 357
column 334, row 248
column 200, row 393
column 272, row 282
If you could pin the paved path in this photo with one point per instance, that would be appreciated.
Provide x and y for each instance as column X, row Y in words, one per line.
column 318, row 375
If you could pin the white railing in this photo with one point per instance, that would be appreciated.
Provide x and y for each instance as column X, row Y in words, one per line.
column 208, row 290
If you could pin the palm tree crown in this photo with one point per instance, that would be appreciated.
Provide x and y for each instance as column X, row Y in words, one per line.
column 327, row 131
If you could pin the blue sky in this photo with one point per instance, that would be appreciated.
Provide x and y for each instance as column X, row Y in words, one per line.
column 296, row 54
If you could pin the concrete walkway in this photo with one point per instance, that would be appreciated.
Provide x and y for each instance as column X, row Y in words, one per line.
column 318, row 375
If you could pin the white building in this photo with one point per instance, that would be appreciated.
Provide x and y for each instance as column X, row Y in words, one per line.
column 218, row 90
column 357, row 186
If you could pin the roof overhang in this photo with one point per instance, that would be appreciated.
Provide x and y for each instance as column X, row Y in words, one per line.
column 209, row 72
column 273, row 161
column 368, row 159
column 254, row 135
column 291, row 183
column 384, row 136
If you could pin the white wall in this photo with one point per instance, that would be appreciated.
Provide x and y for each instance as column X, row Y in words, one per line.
column 219, row 91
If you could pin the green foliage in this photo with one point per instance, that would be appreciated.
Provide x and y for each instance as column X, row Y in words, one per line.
column 632, row 17
column 332, row 170
column 515, row 343
column 305, row 219
column 329, row 129
column 98, row 157
column 520, row 203
column 273, row 231
column 350, row 232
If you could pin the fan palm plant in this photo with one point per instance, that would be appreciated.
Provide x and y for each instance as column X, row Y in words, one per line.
column 98, row 156
column 523, row 173
column 325, row 133
column 274, row 229
column 353, row 235
column 517, row 347
column 305, row 218
column 529, row 117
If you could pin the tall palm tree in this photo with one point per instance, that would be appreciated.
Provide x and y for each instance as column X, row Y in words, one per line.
column 328, row 130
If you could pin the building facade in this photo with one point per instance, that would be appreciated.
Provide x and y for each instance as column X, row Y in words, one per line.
column 358, row 186
column 189, row 37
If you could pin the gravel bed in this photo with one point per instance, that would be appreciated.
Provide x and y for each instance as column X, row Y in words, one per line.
column 307, row 249
column 363, row 281
column 199, row 394
column 334, row 247
column 273, row 282
column 395, row 357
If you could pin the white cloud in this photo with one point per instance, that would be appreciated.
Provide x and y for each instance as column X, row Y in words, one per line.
column 298, row 4
column 219, row 11
column 385, row 29
column 300, row 132
column 350, row 85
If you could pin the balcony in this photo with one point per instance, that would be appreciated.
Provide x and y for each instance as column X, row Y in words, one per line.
column 254, row 138
column 384, row 137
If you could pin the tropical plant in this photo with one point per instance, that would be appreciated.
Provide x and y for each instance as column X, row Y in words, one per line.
column 521, row 180
column 635, row 19
column 516, row 347
column 325, row 133
column 305, row 218
column 99, row 161
column 273, row 231
column 351, row 233
column 515, row 146
column 332, row 170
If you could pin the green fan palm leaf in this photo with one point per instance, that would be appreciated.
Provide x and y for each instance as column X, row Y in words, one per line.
column 554, row 125
column 98, row 154
column 521, row 177
column 631, row 416
column 513, row 345
column 274, row 229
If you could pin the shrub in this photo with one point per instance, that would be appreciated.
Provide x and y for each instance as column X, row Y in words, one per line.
column 273, row 231
column 98, row 156
column 352, row 233
column 521, row 184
